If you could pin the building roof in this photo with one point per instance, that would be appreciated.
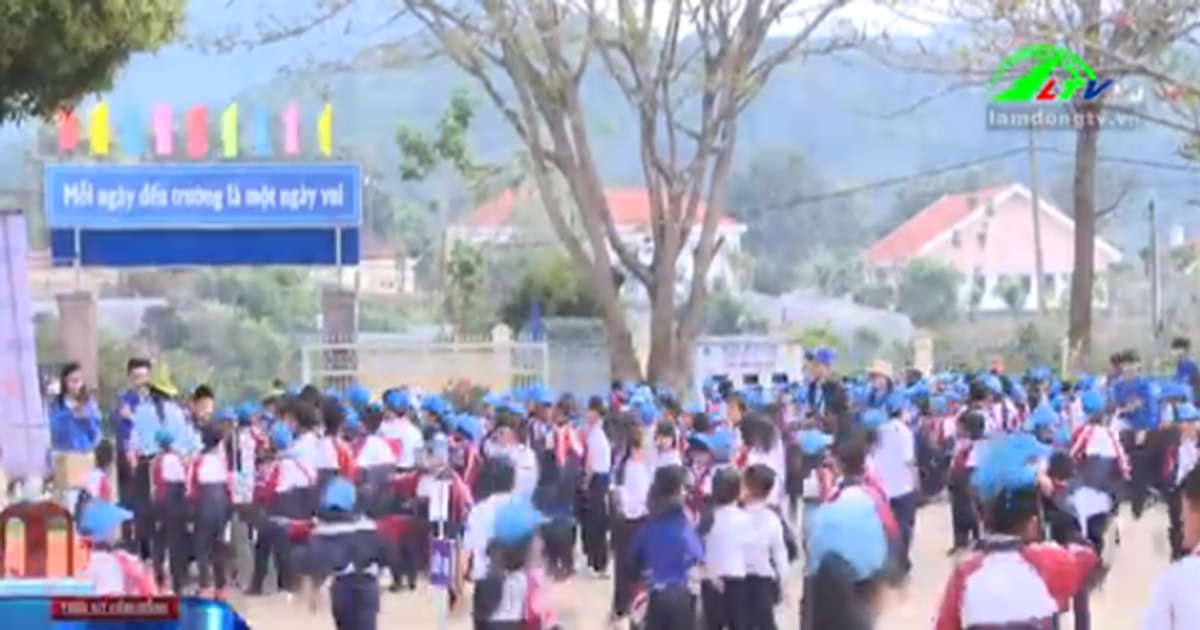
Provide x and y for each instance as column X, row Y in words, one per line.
column 910, row 239
column 630, row 207
column 906, row 241
column 375, row 247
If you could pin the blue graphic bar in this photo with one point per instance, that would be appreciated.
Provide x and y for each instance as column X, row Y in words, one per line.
column 202, row 196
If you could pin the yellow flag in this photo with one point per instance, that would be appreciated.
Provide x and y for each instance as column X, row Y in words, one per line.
column 98, row 130
column 229, row 131
column 325, row 131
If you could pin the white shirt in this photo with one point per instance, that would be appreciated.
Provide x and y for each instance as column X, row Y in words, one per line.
column 728, row 542
column 411, row 441
column 306, row 449
column 599, row 450
column 765, row 551
column 634, row 489
column 375, row 451
column 893, row 458
column 1173, row 604
column 776, row 460
column 669, row 457
column 1189, row 454
column 480, row 523
column 105, row 574
column 525, row 470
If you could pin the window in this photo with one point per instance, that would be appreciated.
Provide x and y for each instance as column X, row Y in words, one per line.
column 1026, row 283
column 1049, row 284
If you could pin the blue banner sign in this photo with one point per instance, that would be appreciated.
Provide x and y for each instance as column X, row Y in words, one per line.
column 202, row 196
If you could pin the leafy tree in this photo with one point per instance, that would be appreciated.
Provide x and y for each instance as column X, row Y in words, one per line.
column 465, row 297
column 928, row 292
column 769, row 195
column 835, row 275
column 725, row 314
column 550, row 280
column 54, row 52
column 1014, row 294
column 281, row 298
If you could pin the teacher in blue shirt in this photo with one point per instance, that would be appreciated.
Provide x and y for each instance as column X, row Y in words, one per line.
column 1137, row 402
column 74, row 415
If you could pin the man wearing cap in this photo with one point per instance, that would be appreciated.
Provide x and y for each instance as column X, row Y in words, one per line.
column 159, row 413
column 827, row 399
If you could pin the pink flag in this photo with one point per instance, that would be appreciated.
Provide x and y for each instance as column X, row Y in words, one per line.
column 291, row 130
column 164, row 131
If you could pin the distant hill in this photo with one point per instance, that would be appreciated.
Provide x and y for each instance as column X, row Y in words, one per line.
column 828, row 108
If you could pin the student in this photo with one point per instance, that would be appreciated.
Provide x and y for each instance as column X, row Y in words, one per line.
column 112, row 571
column 481, row 522
column 666, row 446
column 1187, row 373
column 1011, row 578
column 345, row 550
column 286, row 497
column 849, row 561
column 764, row 446
column 210, row 490
column 725, row 531
column 1173, row 604
column 99, row 486
column 168, row 492
column 967, row 446
column 633, row 479
column 818, row 470
column 301, row 415
column 398, row 428
column 766, row 552
column 1101, row 465
column 596, row 481
column 375, row 460
column 894, row 463
column 514, row 595
column 334, row 458
column 1182, row 456
column 665, row 550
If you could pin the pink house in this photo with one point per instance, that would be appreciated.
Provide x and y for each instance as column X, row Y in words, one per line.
column 988, row 236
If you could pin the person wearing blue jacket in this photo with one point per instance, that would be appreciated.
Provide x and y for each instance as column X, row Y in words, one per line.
column 74, row 415
column 665, row 550
column 1136, row 400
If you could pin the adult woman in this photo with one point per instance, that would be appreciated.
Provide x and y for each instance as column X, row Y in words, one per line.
column 74, row 415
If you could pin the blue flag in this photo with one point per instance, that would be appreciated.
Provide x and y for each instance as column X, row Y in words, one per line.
column 131, row 135
column 262, row 133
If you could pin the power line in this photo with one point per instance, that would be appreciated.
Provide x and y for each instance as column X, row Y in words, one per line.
column 890, row 182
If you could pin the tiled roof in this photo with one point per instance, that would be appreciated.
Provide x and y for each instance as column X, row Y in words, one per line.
column 374, row 247
column 630, row 207
column 906, row 241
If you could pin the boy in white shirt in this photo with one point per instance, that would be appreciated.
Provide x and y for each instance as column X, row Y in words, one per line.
column 1174, row 605
column 766, row 553
column 724, row 531
column 597, row 469
column 894, row 461
column 632, row 478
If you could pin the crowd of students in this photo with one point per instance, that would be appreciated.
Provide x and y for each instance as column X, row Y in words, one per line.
column 700, row 509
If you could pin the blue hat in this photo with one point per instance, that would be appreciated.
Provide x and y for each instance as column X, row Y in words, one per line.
column 492, row 399
column 101, row 520
column 701, row 440
column 812, row 441
column 1041, row 417
column 849, row 528
column 281, row 436
column 246, row 412
column 358, row 394
column 1008, row 463
column 163, row 437
column 939, row 405
column 339, row 495
column 396, row 400
column 470, row 427
column 993, row 384
column 353, row 420
column 1187, row 412
column 873, row 418
column 516, row 521
column 1092, row 401
column 824, row 356
column 226, row 415
column 439, row 446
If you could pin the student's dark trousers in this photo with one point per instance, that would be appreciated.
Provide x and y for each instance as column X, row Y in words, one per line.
column 595, row 523
column 1175, row 523
column 625, row 577
column 559, row 538
column 671, row 608
column 724, row 608
column 1140, row 474
column 904, row 508
column 962, row 515
column 354, row 601
column 272, row 544
column 761, row 595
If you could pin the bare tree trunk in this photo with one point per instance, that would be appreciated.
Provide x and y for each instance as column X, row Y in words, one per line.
column 1083, row 280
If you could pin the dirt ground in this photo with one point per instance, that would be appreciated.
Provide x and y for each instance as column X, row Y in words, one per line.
column 584, row 603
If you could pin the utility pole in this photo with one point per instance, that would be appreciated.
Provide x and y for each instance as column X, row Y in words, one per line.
column 1154, row 255
column 1038, row 264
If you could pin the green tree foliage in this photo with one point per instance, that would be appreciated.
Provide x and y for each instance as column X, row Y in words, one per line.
column 466, row 301
column 777, row 194
column 928, row 292
column 725, row 314
column 919, row 194
column 283, row 299
column 54, row 52
column 549, row 279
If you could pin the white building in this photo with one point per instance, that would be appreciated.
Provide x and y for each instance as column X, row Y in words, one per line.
column 516, row 218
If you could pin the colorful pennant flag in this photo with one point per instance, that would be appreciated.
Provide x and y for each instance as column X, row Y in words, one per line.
column 68, row 130
column 291, row 130
column 98, row 129
column 325, row 131
column 132, row 136
column 164, row 131
column 229, row 131
column 262, row 133
column 197, row 132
